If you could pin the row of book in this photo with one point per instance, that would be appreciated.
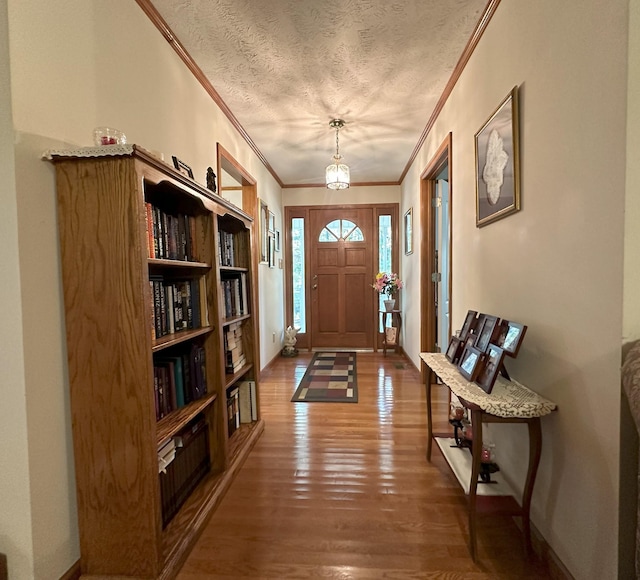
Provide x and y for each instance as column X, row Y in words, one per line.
column 189, row 464
column 234, row 355
column 231, row 249
column 177, row 305
column 170, row 236
column 234, row 292
column 242, row 405
column 179, row 380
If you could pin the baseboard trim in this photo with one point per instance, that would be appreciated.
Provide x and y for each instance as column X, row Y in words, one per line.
column 544, row 552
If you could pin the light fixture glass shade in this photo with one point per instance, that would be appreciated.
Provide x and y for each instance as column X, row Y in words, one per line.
column 337, row 175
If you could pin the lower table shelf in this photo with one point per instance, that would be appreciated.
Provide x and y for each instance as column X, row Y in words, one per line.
column 460, row 461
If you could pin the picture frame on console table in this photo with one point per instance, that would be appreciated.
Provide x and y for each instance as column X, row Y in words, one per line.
column 513, row 336
column 490, row 369
column 488, row 331
column 470, row 362
column 454, row 350
column 497, row 163
column 470, row 321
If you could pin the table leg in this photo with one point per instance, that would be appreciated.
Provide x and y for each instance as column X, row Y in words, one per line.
column 476, row 428
column 430, row 377
column 535, row 450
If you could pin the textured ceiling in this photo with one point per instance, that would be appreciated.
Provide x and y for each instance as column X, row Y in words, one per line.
column 285, row 68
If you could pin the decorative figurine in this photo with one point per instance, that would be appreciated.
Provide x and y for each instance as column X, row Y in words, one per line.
column 211, row 180
column 290, row 341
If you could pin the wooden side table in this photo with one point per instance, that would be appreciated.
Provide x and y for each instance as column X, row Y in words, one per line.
column 390, row 319
column 509, row 402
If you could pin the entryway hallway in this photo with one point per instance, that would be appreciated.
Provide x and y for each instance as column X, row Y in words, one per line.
column 343, row 491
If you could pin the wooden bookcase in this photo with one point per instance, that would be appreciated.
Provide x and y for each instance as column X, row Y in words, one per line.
column 115, row 339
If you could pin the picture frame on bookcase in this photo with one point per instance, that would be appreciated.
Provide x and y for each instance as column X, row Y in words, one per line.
column 490, row 368
column 182, row 167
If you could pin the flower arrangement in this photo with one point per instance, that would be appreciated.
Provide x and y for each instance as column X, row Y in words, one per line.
column 388, row 284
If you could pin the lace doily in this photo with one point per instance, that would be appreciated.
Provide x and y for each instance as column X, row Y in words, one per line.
column 102, row 151
column 507, row 398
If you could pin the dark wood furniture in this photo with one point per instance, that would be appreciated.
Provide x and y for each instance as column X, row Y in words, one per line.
column 390, row 319
column 509, row 402
column 104, row 196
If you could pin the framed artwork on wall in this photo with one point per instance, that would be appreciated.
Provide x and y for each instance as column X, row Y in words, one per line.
column 408, row 231
column 497, row 163
column 263, row 224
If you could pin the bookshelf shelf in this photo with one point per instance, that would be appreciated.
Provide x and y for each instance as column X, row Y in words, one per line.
column 147, row 354
column 228, row 321
column 230, row 379
column 172, row 423
column 178, row 337
column 156, row 262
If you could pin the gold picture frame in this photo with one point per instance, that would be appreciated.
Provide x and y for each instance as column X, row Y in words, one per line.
column 497, row 155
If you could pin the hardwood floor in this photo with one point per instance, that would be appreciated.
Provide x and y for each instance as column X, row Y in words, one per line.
column 343, row 491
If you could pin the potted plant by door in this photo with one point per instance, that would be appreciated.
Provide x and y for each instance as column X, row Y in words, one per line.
column 389, row 285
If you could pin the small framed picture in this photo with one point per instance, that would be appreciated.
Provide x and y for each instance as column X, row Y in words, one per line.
column 469, row 325
column 277, row 240
column 272, row 251
column 492, row 362
column 488, row 331
column 272, row 222
column 408, row 231
column 454, row 349
column 511, row 337
column 182, row 167
column 263, row 224
column 470, row 362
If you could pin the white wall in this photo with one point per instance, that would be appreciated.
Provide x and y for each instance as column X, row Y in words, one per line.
column 76, row 65
column 631, row 329
column 354, row 195
column 557, row 264
column 15, row 502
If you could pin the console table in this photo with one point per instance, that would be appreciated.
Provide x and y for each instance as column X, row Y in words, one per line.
column 509, row 402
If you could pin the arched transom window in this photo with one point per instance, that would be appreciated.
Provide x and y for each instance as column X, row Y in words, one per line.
column 341, row 230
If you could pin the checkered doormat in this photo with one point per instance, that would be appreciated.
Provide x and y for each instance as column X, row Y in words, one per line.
column 330, row 378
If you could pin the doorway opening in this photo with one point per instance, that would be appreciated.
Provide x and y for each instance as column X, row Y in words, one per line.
column 436, row 212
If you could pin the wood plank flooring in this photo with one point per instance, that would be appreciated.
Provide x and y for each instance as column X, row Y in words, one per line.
column 343, row 491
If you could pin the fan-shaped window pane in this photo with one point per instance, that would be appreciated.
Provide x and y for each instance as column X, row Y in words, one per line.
column 341, row 230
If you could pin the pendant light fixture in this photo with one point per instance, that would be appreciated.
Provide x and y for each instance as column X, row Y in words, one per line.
column 337, row 174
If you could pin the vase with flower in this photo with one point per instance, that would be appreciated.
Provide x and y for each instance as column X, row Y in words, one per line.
column 389, row 285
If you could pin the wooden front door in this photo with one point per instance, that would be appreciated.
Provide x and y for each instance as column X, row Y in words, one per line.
column 341, row 271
